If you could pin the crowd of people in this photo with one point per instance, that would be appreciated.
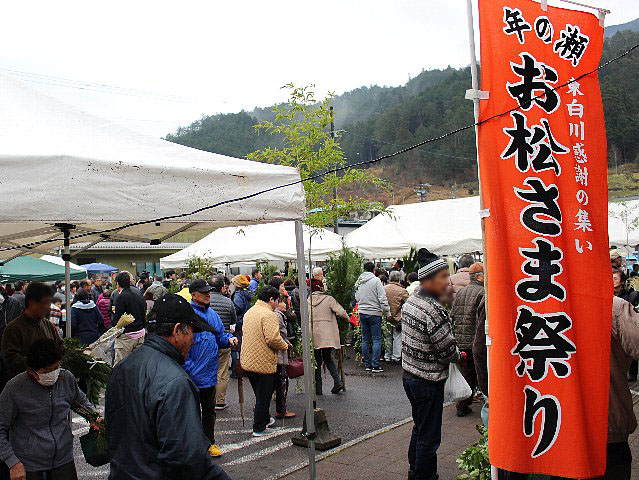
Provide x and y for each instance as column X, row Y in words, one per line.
column 177, row 345
column 181, row 339
column 444, row 320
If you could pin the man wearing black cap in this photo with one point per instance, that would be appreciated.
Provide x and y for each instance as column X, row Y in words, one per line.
column 203, row 359
column 428, row 347
column 152, row 409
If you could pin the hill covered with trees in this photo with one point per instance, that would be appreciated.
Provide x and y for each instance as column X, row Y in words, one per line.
column 373, row 121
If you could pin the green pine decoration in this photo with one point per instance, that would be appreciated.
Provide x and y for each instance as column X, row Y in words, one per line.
column 85, row 368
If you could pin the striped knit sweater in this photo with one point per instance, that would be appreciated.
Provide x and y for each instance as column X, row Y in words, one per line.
column 428, row 343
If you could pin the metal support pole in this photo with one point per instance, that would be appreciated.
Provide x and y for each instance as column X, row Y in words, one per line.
column 476, row 99
column 66, row 256
column 310, row 312
column 306, row 342
column 336, row 226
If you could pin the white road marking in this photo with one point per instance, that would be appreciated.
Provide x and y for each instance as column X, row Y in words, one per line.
column 95, row 473
column 233, row 419
column 80, row 431
column 234, row 432
column 253, row 440
column 343, row 446
column 260, row 454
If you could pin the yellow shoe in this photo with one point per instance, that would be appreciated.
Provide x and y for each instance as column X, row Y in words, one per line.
column 215, row 451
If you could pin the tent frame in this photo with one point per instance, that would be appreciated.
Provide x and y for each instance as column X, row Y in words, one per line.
column 65, row 230
column 306, row 344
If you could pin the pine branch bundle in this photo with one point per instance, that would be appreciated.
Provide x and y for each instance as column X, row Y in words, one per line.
column 94, row 373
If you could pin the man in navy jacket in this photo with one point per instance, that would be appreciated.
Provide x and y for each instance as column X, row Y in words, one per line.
column 155, row 428
column 202, row 361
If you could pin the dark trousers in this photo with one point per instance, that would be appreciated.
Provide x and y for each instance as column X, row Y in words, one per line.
column 371, row 328
column 618, row 462
column 207, row 402
column 618, row 466
column 634, row 369
column 427, row 402
column 65, row 472
column 281, row 389
column 263, row 385
column 469, row 373
column 325, row 355
column 505, row 475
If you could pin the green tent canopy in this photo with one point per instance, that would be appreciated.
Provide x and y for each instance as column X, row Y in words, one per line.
column 33, row 269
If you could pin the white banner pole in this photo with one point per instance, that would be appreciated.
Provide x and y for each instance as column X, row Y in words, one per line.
column 306, row 345
column 476, row 96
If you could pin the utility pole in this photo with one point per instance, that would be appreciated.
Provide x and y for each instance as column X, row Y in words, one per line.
column 422, row 190
column 336, row 221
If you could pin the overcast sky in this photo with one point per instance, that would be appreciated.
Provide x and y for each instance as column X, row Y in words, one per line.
column 193, row 57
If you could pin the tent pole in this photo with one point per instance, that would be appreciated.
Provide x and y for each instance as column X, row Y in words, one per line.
column 67, row 280
column 306, row 342
column 476, row 97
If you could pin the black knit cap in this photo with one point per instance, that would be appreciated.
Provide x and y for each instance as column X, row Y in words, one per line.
column 429, row 264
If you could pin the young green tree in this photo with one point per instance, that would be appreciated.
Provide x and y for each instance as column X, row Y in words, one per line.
column 307, row 144
column 629, row 215
column 342, row 269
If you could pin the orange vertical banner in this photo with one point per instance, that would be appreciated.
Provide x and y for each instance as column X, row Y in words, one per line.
column 544, row 182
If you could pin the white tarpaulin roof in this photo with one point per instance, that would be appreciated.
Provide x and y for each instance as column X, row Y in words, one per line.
column 442, row 226
column 266, row 242
column 59, row 261
column 61, row 165
column 619, row 235
column 453, row 227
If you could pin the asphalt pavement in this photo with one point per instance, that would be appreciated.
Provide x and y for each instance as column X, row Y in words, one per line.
column 370, row 403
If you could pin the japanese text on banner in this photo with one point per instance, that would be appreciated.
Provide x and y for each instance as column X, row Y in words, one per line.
column 544, row 179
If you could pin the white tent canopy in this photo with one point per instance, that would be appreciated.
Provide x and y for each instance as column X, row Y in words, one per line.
column 265, row 242
column 443, row 227
column 59, row 165
column 59, row 261
column 453, row 227
column 65, row 173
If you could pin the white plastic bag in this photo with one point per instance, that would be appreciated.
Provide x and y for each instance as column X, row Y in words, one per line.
column 456, row 387
column 103, row 348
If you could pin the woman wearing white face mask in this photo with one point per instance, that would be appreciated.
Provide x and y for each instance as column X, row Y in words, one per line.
column 35, row 437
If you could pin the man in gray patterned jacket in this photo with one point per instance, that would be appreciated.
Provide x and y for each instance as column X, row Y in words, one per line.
column 428, row 347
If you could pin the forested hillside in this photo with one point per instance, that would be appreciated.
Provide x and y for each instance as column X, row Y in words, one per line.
column 373, row 121
column 612, row 29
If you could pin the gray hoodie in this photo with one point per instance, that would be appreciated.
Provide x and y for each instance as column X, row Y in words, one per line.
column 34, row 422
column 370, row 295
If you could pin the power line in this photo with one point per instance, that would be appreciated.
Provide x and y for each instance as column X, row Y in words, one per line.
column 99, row 87
column 317, row 175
